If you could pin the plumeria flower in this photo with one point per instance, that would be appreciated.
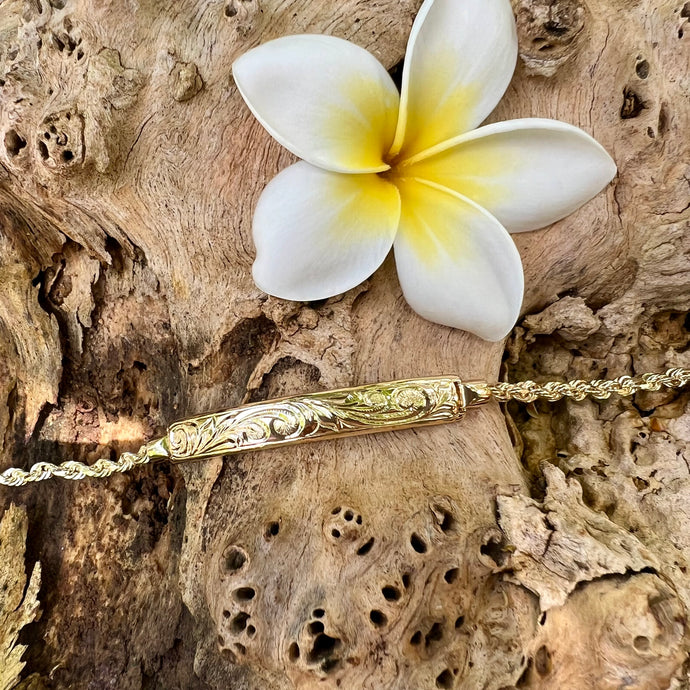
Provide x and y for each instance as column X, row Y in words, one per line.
column 410, row 171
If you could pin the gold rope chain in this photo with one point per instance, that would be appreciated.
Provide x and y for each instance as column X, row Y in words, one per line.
column 344, row 412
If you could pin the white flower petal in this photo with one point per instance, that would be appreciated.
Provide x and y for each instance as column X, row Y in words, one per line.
column 460, row 58
column 327, row 100
column 528, row 173
column 457, row 265
column 319, row 233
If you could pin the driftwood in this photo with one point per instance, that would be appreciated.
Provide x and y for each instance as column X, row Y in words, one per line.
column 537, row 547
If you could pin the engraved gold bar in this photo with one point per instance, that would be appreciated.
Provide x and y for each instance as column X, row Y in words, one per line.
column 319, row 416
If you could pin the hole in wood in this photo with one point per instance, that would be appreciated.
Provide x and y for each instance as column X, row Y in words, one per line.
column 435, row 634
column 445, row 679
column 641, row 643
column 416, row 638
column 234, row 558
column 459, row 622
column 451, row 575
column 365, row 548
column 555, row 28
column 315, row 627
column 445, row 518
column 272, row 530
column 494, row 550
column 640, row 484
column 542, row 661
column 324, row 645
column 418, row 544
column 632, row 104
column 318, row 613
column 390, row 593
column 13, row 142
column 293, row 652
column 244, row 594
column 239, row 622
column 378, row 618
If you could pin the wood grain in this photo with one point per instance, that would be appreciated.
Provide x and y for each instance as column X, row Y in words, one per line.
column 482, row 554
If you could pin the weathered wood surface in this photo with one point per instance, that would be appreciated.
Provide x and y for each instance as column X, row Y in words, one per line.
column 543, row 549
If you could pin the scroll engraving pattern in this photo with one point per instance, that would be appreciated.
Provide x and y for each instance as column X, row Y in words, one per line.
column 320, row 415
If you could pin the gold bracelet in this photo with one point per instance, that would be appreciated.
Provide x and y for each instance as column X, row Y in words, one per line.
column 346, row 412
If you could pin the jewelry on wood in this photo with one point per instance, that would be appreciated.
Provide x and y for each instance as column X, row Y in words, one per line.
column 367, row 409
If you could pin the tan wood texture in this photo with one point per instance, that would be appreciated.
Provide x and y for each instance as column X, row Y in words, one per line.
column 543, row 546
